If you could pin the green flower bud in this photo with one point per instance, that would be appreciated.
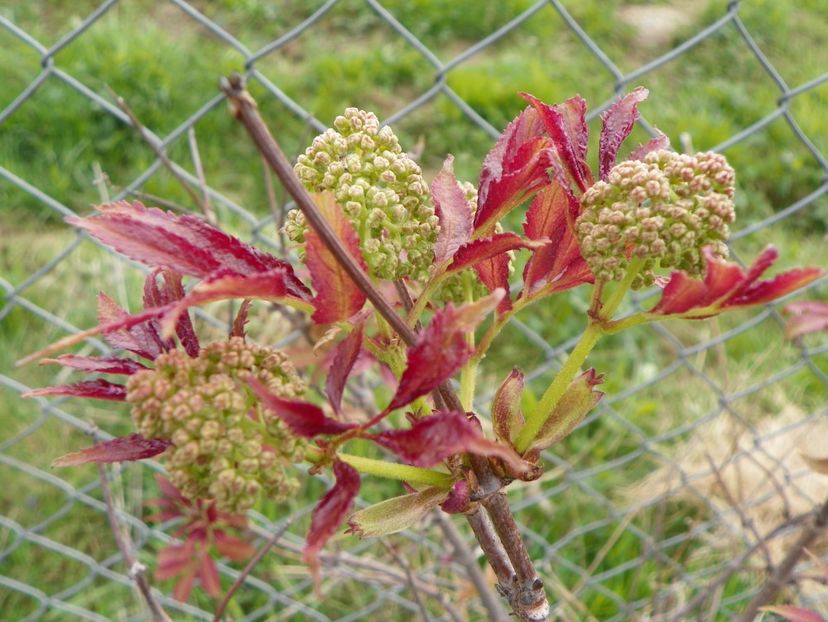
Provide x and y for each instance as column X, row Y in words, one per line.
column 378, row 186
column 218, row 450
column 662, row 210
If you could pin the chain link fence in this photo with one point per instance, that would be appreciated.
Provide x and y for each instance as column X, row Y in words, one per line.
column 656, row 544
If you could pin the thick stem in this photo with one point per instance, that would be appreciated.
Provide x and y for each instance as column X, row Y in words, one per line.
column 556, row 390
column 388, row 470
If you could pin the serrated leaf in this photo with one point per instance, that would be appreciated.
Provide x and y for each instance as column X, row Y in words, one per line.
column 97, row 364
column 141, row 338
column 396, row 514
column 302, row 418
column 452, row 209
column 513, row 170
column 274, row 286
column 94, row 389
column 726, row 285
column 658, row 142
column 432, row 439
column 330, row 512
column 440, row 350
column 618, row 122
column 123, row 449
column 170, row 291
column 337, row 297
column 344, row 356
column 483, row 249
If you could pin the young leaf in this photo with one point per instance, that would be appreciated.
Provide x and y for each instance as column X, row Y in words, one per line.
column 459, row 498
column 566, row 125
column 396, row 514
column 141, row 338
column 579, row 398
column 99, row 364
column 806, row 317
column 330, row 512
column 432, row 439
column 482, row 249
column 233, row 548
column 657, row 143
column 274, row 286
column 174, row 559
column 494, row 274
column 558, row 265
column 93, row 389
column 506, row 413
column 344, row 356
column 727, row 286
column 123, row 449
column 452, row 209
column 441, row 350
column 303, row 418
column 513, row 170
column 171, row 291
column 182, row 243
column 618, row 120
column 241, row 319
column 208, row 576
column 338, row 297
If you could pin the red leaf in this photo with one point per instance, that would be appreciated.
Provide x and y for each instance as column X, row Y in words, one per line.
column 452, row 209
column 344, row 356
column 141, row 337
column 99, row 364
column 506, row 412
column 233, row 548
column 338, row 297
column 726, row 285
column 619, row 120
column 330, row 512
column 123, row 449
column 659, row 142
column 94, row 389
column 513, row 170
column 171, row 291
column 482, row 249
column 440, row 351
column 303, row 418
column 459, row 498
column 806, row 317
column 182, row 243
column 433, row 439
column 566, row 125
column 209, row 577
column 274, row 286
column 184, row 587
column 795, row 614
column 169, row 491
column 558, row 265
column 494, row 274
column 174, row 559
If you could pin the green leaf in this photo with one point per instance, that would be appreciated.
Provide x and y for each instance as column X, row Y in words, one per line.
column 394, row 515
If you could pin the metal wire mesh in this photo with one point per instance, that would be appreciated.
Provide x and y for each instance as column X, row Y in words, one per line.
column 384, row 591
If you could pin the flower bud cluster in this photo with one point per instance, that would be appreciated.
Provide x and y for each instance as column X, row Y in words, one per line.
column 381, row 190
column 662, row 211
column 203, row 406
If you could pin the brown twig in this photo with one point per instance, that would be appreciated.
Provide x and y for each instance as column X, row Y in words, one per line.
column 277, row 208
column 782, row 575
column 135, row 570
column 206, row 206
column 529, row 599
column 469, row 563
column 228, row 596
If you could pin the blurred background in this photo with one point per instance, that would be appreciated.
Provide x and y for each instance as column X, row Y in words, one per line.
column 691, row 457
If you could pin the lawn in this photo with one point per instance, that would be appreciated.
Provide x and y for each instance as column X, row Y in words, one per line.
column 166, row 66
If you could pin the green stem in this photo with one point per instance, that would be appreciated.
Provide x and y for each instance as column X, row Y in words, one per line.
column 556, row 390
column 468, row 375
column 388, row 470
column 618, row 294
column 423, row 298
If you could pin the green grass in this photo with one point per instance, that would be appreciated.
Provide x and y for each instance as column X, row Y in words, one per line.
column 166, row 67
